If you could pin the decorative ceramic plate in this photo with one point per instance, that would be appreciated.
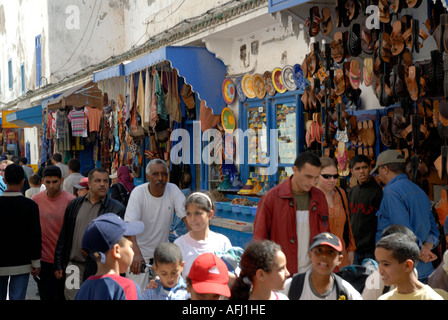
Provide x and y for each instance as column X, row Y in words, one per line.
column 299, row 77
column 228, row 91
column 277, row 80
column 247, row 85
column 268, row 85
column 258, row 85
column 228, row 120
column 288, row 78
column 239, row 89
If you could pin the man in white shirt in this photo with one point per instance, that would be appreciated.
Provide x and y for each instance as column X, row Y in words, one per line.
column 154, row 203
column 56, row 160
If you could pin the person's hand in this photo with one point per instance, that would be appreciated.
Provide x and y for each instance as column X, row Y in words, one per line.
column 153, row 284
column 426, row 255
column 35, row 272
column 136, row 265
column 58, row 274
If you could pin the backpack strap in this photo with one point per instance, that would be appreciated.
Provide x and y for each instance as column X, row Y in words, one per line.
column 340, row 291
column 346, row 234
column 295, row 290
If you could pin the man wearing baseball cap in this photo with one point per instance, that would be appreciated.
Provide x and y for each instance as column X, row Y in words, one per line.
column 81, row 188
column 105, row 241
column 405, row 203
column 208, row 278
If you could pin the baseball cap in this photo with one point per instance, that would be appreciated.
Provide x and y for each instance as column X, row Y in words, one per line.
column 82, row 184
column 386, row 157
column 326, row 239
column 105, row 231
column 209, row 274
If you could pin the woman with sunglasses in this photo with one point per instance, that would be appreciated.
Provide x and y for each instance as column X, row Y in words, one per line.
column 337, row 208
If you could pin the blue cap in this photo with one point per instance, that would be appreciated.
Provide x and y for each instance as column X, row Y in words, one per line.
column 105, row 231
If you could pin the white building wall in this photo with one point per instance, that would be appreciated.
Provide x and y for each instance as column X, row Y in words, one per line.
column 20, row 22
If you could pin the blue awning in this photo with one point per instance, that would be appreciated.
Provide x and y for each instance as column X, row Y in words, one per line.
column 111, row 72
column 27, row 117
column 199, row 67
column 277, row 5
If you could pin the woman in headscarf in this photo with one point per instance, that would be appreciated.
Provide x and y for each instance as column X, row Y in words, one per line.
column 121, row 190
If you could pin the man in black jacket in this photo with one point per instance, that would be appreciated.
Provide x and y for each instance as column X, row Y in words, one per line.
column 364, row 201
column 20, row 234
column 68, row 257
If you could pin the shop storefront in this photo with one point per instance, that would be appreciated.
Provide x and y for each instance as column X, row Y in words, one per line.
column 357, row 88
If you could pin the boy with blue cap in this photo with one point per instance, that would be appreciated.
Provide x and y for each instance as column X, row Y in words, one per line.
column 105, row 241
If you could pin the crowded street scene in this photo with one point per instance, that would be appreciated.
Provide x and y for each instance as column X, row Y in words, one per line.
column 227, row 150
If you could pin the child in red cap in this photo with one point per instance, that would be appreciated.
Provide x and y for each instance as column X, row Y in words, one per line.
column 208, row 278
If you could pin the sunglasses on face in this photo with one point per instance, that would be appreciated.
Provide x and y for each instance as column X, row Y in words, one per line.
column 328, row 176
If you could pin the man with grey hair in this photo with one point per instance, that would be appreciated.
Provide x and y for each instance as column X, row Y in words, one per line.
column 154, row 203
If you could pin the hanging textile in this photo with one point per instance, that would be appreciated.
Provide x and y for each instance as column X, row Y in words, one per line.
column 94, row 118
column 148, row 92
column 172, row 98
column 161, row 110
column 154, row 116
column 140, row 104
column 78, row 120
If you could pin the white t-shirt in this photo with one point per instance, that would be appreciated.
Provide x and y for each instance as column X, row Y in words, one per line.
column 155, row 213
column 303, row 240
column 191, row 249
column 308, row 294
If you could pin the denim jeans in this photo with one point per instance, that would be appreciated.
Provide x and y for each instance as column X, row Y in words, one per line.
column 16, row 290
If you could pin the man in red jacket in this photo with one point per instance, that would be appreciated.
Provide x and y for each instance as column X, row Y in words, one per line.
column 293, row 212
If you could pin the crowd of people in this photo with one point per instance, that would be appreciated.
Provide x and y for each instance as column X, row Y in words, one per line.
column 96, row 236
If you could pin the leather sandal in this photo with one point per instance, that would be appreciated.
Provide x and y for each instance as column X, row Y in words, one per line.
column 439, row 32
column 396, row 38
column 327, row 24
column 338, row 47
column 355, row 74
column 368, row 72
column 384, row 48
column 412, row 83
column 352, row 9
column 398, row 83
column 385, row 134
column 368, row 39
column 314, row 21
column 414, row 3
column 305, row 97
column 435, row 112
column 370, row 136
column 354, row 40
column 384, row 13
column 339, row 82
column 398, row 122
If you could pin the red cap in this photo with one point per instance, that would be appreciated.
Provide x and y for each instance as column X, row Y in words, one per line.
column 82, row 184
column 209, row 274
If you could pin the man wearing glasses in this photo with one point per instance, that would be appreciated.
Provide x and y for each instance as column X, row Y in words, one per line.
column 294, row 212
column 405, row 203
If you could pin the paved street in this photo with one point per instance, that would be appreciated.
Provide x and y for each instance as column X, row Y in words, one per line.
column 32, row 293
